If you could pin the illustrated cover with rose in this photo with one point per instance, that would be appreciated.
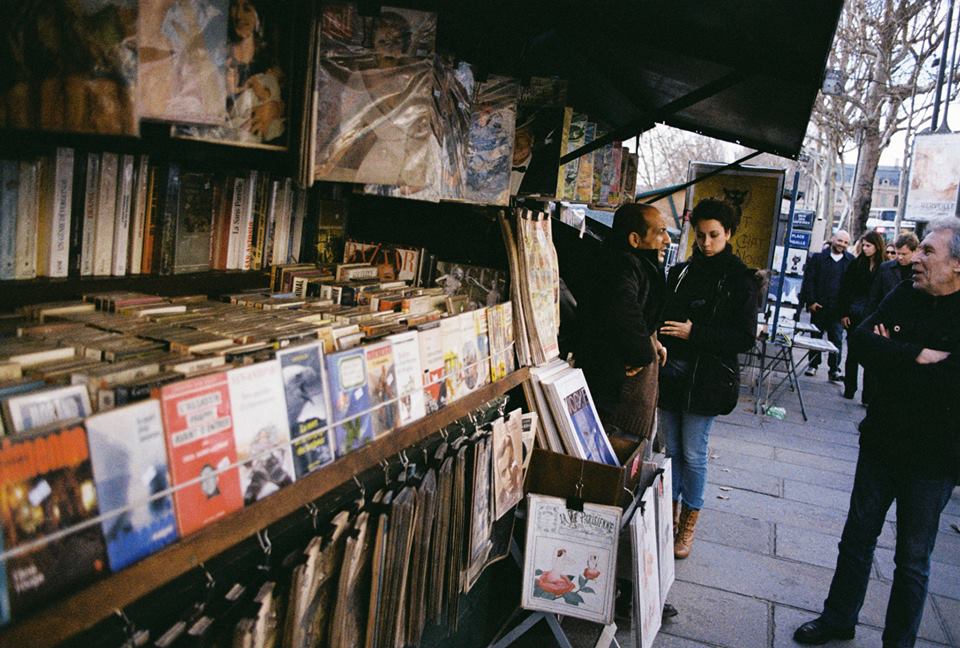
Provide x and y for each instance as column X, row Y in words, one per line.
column 570, row 561
column 199, row 428
column 646, row 578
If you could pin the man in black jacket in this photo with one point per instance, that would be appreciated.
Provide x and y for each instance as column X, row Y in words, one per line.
column 821, row 294
column 618, row 319
column 909, row 442
column 895, row 271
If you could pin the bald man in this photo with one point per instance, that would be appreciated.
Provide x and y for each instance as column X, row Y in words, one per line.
column 821, row 294
column 618, row 348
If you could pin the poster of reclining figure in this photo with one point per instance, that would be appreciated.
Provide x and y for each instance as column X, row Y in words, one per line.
column 570, row 559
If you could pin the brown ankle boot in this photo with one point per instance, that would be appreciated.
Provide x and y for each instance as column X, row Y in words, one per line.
column 676, row 517
column 683, row 541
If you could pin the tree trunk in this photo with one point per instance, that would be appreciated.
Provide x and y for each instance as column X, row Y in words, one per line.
column 863, row 183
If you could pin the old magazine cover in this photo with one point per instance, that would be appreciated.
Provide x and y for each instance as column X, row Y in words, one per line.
column 646, row 579
column 570, row 560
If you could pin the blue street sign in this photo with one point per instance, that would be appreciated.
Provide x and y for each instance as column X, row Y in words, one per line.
column 800, row 240
column 804, row 219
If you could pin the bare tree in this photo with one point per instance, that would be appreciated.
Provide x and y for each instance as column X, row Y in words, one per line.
column 881, row 47
column 665, row 153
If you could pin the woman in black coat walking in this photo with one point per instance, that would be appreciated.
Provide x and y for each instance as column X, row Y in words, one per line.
column 855, row 303
column 710, row 316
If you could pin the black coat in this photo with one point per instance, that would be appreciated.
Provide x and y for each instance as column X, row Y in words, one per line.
column 890, row 275
column 724, row 325
column 855, row 290
column 616, row 319
column 821, row 281
column 913, row 420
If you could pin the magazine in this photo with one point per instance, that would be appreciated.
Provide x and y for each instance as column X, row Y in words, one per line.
column 540, row 289
column 569, row 565
column 663, row 495
column 577, row 418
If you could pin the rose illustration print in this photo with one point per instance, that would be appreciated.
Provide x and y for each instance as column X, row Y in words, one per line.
column 554, row 584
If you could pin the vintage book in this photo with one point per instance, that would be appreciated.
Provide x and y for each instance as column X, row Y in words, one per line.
column 152, row 224
column 199, row 431
column 106, row 214
column 507, row 464
column 257, row 72
column 57, row 196
column 382, row 387
column 121, row 227
column 129, row 461
column 137, row 389
column 29, row 353
column 27, row 216
column 540, row 289
column 570, row 559
column 348, row 623
column 182, row 70
column 194, row 218
column 577, row 418
column 91, row 206
column 138, row 216
column 481, row 332
column 9, row 189
column 432, row 366
column 260, row 429
column 409, row 372
column 576, row 138
column 77, row 214
column 13, row 371
column 440, row 536
column 306, row 406
column 43, row 407
column 550, row 426
column 392, row 261
column 471, row 364
column 379, row 570
column 481, row 512
column 248, row 221
column 234, row 245
column 500, row 330
column 647, row 602
column 46, row 485
column 349, row 399
column 584, row 186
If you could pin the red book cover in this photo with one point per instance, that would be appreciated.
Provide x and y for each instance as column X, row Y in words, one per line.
column 198, row 426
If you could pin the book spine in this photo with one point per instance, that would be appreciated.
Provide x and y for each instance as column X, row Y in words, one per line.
column 226, row 214
column 246, row 254
column 106, row 214
column 9, row 190
column 77, row 214
column 59, row 253
column 216, row 221
column 171, row 207
column 259, row 223
column 121, row 228
column 27, row 220
column 151, row 221
column 45, row 189
column 138, row 224
column 236, row 223
column 90, row 206
column 299, row 205
column 270, row 237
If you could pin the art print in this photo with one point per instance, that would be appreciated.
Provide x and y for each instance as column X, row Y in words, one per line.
column 646, row 576
column 570, row 559
column 507, row 462
column 663, row 496
column 588, row 428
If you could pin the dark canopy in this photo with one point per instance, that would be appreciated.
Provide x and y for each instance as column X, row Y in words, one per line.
column 761, row 60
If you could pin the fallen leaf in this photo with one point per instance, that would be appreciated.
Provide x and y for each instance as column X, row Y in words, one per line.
column 722, row 497
column 725, row 488
column 955, row 526
column 724, row 470
column 714, row 456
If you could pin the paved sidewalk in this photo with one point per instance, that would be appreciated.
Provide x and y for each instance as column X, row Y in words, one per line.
column 766, row 544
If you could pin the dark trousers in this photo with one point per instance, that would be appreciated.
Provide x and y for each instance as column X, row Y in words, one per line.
column 834, row 330
column 919, row 504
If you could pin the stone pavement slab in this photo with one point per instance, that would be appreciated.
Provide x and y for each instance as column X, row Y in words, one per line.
column 745, row 480
column 786, row 620
column 807, row 546
column 949, row 610
column 720, row 442
column 775, row 438
column 798, row 458
column 719, row 617
column 944, row 578
column 737, row 531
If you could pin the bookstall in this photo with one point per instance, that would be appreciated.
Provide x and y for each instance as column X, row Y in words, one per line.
column 279, row 309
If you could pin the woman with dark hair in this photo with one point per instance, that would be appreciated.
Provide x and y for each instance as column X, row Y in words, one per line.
column 855, row 302
column 710, row 317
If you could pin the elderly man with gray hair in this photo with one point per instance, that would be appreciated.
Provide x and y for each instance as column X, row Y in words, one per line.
column 909, row 442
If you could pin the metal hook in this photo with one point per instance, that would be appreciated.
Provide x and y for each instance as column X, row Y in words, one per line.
column 444, row 434
column 128, row 625
column 264, row 539
column 363, row 490
column 404, row 461
column 314, row 511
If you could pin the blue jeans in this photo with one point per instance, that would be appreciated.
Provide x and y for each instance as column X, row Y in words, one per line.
column 686, row 436
column 919, row 504
column 834, row 330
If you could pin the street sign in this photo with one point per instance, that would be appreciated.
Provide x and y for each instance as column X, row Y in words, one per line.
column 800, row 240
column 804, row 219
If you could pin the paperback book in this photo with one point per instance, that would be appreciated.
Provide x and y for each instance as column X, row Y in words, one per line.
column 35, row 409
column 46, row 485
column 349, row 399
column 307, row 414
column 406, row 362
column 199, row 431
column 260, row 429
column 382, row 385
column 130, row 467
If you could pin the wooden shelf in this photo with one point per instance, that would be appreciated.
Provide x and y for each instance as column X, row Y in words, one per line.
column 23, row 292
column 87, row 607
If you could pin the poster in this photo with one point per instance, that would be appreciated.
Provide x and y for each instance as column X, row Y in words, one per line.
column 646, row 576
column 934, row 177
column 663, row 496
column 756, row 191
column 570, row 559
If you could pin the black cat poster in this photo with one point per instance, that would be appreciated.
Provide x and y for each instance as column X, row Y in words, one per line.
column 755, row 191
